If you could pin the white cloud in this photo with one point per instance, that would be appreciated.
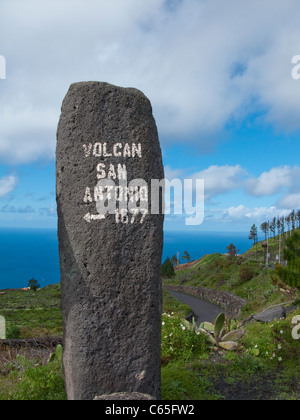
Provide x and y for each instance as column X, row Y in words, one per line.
column 7, row 184
column 173, row 173
column 270, row 183
column 202, row 64
column 282, row 180
column 49, row 211
column 221, row 179
column 13, row 209
column 26, row 133
column 291, row 201
column 248, row 215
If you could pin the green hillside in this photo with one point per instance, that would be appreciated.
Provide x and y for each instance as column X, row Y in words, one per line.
column 247, row 276
column 32, row 314
column 275, row 249
column 263, row 367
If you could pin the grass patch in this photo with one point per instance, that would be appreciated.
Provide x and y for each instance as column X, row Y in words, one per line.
column 180, row 341
column 171, row 304
column 181, row 383
column 272, row 341
column 241, row 276
column 32, row 314
column 265, row 365
column 37, row 380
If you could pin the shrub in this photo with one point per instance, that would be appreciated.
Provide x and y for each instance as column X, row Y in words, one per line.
column 232, row 250
column 179, row 341
column 220, row 280
column 167, row 269
column 246, row 273
column 33, row 285
column 40, row 383
column 272, row 341
column 13, row 332
column 291, row 274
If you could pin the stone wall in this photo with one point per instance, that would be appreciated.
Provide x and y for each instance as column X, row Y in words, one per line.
column 231, row 304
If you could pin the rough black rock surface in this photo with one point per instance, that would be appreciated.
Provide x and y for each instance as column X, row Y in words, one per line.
column 270, row 315
column 110, row 266
column 134, row 396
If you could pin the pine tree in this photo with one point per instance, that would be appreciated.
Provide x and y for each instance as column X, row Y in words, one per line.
column 273, row 227
column 33, row 285
column 232, row 250
column 280, row 232
column 254, row 237
column 167, row 269
column 265, row 229
column 174, row 260
column 253, row 234
column 186, row 256
column 291, row 274
column 288, row 222
column 283, row 225
column 298, row 218
column 293, row 219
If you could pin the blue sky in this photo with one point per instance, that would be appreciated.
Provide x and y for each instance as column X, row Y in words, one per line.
column 219, row 77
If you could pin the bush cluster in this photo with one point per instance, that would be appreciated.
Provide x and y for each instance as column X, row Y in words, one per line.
column 246, row 273
column 179, row 341
column 272, row 341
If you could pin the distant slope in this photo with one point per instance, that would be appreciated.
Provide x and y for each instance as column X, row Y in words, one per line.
column 190, row 264
column 275, row 249
column 242, row 276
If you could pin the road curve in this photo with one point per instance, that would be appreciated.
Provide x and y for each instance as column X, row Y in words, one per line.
column 203, row 311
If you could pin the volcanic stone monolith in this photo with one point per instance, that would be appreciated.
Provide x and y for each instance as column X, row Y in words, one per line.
column 110, row 244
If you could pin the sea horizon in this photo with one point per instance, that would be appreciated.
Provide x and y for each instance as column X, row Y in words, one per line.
column 27, row 253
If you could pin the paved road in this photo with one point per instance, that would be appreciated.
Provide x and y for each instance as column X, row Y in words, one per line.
column 203, row 311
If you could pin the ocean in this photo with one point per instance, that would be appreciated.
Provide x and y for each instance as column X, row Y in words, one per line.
column 198, row 244
column 33, row 253
column 27, row 254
